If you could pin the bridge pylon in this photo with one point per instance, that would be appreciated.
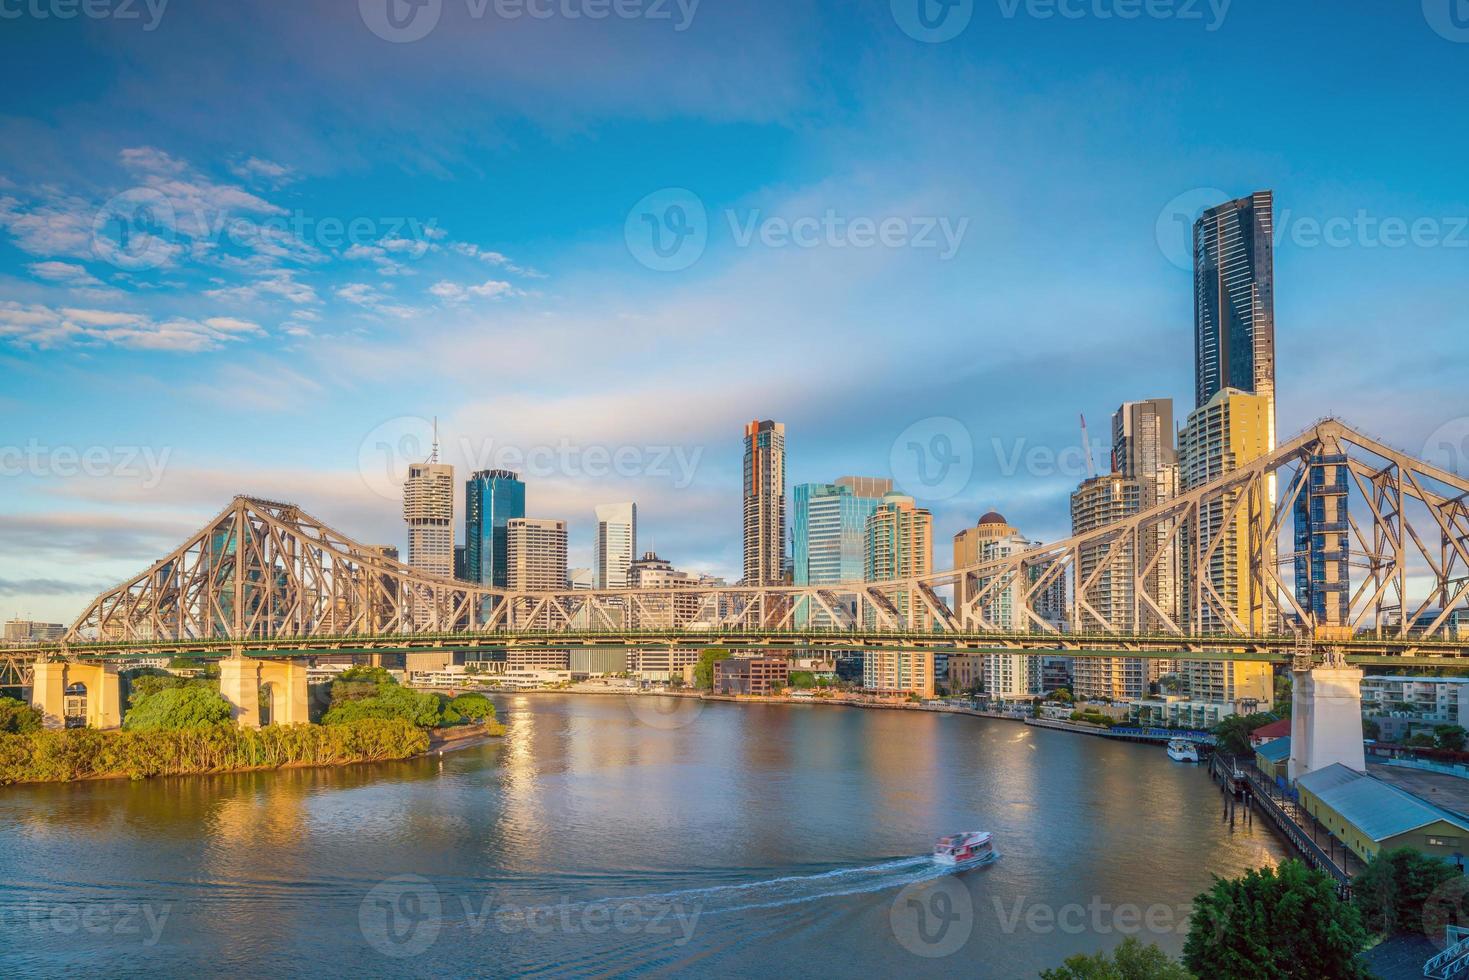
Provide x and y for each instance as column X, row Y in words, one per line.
column 63, row 690
column 264, row 692
column 1326, row 709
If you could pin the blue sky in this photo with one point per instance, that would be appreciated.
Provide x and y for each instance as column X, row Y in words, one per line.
column 244, row 247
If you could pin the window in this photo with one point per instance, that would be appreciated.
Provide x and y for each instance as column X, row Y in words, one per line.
column 1443, row 842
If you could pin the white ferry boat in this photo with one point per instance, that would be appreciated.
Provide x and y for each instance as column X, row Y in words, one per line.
column 964, row 850
column 1182, row 750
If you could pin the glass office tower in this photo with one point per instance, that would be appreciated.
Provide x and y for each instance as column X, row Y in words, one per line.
column 491, row 498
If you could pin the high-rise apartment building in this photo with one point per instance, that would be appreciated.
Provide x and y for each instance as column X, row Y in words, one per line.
column 535, row 554
column 900, row 545
column 1234, row 301
column 1231, row 430
column 1110, row 603
column 1144, row 451
column 1007, row 675
column 614, row 544
column 492, row 498
column 1322, row 541
column 765, row 502
column 428, row 510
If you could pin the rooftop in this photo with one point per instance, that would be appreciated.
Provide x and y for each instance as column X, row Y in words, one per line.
column 1374, row 807
column 1275, row 750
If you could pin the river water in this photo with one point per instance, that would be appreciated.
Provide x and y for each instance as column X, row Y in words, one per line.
column 607, row 835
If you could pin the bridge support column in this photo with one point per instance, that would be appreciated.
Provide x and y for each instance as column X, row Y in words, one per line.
column 95, row 684
column 1326, row 720
column 264, row 691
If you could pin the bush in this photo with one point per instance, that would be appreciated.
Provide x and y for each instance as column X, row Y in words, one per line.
column 1392, row 890
column 192, row 706
column 52, row 755
column 18, row 718
column 704, row 668
column 1131, row 960
column 422, row 708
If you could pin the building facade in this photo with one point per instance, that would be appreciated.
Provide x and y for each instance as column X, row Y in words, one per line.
column 1234, row 301
column 899, row 672
column 765, row 502
column 1322, row 541
column 751, row 675
column 899, row 545
column 535, row 554
column 1110, row 603
column 1145, row 450
column 828, row 535
column 428, row 510
column 615, row 544
column 492, row 498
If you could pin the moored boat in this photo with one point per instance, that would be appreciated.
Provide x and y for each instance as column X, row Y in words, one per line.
column 1182, row 750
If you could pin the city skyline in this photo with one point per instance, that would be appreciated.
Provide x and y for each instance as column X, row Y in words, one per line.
column 496, row 287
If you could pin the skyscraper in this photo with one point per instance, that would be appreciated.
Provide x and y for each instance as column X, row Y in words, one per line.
column 535, row 552
column 1144, row 451
column 614, row 544
column 829, row 522
column 1110, row 600
column 1234, row 300
column 1322, row 541
column 428, row 510
column 765, row 502
column 900, row 545
column 492, row 498
column 1219, row 438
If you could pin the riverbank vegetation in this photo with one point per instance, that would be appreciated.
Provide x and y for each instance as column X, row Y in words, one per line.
column 55, row 755
column 1285, row 922
column 371, row 692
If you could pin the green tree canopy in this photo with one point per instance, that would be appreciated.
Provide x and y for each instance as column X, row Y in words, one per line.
column 704, row 668
column 474, row 706
column 423, row 708
column 802, row 679
column 193, row 706
column 1233, row 733
column 1391, row 891
column 1131, row 960
column 1449, row 737
column 18, row 718
column 1275, row 924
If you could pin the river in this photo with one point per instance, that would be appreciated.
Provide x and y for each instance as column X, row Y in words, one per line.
column 607, row 835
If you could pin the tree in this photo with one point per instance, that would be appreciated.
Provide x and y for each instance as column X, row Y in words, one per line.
column 475, row 707
column 1062, row 694
column 802, row 679
column 1131, row 960
column 18, row 718
column 1284, row 695
column 1449, row 737
column 191, row 706
column 423, row 708
column 1391, row 891
column 1420, row 741
column 1371, row 729
column 1232, row 735
column 1284, row 922
column 704, row 669
column 368, row 675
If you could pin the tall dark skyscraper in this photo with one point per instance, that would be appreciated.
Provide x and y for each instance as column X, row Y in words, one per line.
column 765, row 502
column 1234, row 299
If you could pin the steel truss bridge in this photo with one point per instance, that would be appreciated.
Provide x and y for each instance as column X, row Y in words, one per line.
column 266, row 578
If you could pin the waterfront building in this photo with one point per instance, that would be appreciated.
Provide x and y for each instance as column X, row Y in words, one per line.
column 900, row 672
column 1109, row 604
column 1057, row 673
column 899, row 546
column 615, row 544
column 660, row 665
column 1370, row 816
column 1234, row 301
column 428, row 510
column 492, row 498
column 751, row 675
column 30, row 631
column 598, row 663
column 518, row 659
column 1322, row 541
column 535, row 554
column 1006, row 675
column 1170, row 711
column 966, row 673
column 1406, row 706
column 764, row 502
column 828, row 534
column 1230, row 431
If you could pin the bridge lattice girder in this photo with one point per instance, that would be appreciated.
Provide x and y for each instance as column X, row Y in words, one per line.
column 267, row 570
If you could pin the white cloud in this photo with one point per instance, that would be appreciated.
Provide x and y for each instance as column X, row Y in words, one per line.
column 452, row 292
column 63, row 272
column 268, row 171
column 46, row 328
column 497, row 259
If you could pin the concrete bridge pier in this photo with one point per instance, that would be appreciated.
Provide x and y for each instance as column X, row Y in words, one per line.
column 1326, row 719
column 264, row 692
column 82, row 692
